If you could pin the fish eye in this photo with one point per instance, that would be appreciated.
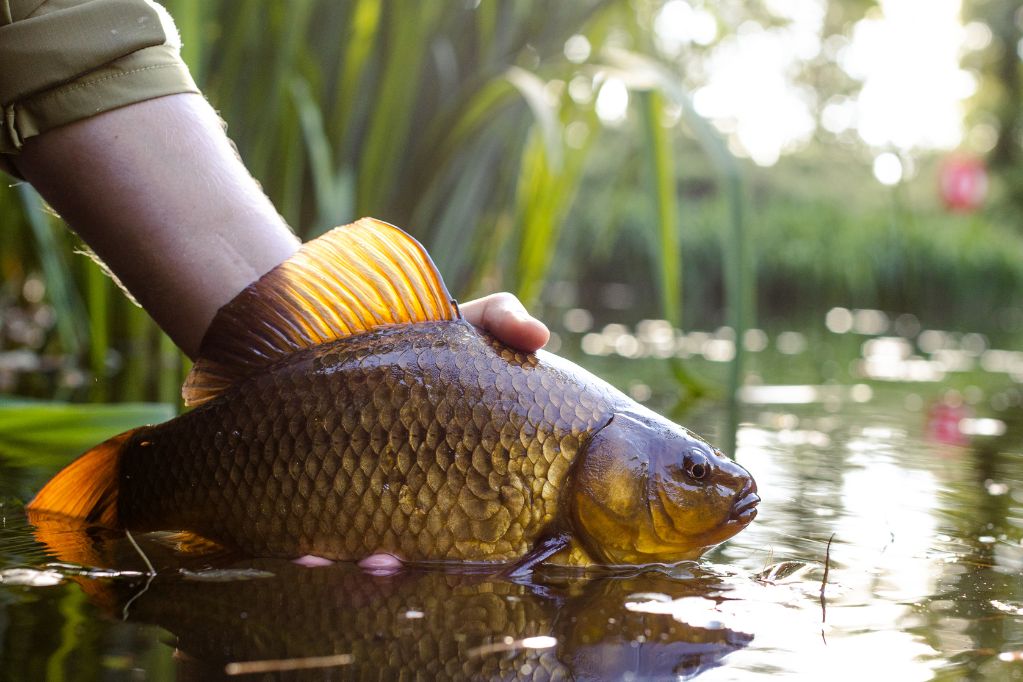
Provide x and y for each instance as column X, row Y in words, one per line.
column 696, row 465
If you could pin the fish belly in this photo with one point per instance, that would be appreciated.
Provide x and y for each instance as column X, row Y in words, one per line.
column 432, row 442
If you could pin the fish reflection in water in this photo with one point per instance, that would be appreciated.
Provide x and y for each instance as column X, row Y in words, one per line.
column 261, row 615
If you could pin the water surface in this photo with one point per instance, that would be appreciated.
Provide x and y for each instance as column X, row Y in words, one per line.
column 921, row 580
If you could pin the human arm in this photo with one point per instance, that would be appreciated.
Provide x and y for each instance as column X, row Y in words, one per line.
column 154, row 185
column 156, row 189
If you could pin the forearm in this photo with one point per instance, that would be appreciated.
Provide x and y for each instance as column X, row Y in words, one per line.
column 157, row 190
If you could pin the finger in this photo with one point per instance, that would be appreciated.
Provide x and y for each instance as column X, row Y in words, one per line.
column 504, row 316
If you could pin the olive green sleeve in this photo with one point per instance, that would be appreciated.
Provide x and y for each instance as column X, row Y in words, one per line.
column 65, row 60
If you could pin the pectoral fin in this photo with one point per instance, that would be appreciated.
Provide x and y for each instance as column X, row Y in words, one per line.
column 189, row 543
column 543, row 551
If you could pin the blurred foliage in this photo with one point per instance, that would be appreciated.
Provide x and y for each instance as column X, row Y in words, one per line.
column 998, row 103
column 31, row 431
column 474, row 125
column 451, row 120
column 815, row 245
column 38, row 437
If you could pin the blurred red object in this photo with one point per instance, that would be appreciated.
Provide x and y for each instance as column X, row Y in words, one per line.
column 943, row 419
column 963, row 182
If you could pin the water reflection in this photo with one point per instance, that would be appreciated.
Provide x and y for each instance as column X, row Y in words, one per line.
column 234, row 616
column 925, row 576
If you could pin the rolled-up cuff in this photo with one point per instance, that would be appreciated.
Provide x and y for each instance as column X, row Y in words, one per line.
column 142, row 74
column 150, row 72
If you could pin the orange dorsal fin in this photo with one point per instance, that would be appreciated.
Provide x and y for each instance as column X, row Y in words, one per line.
column 86, row 488
column 351, row 280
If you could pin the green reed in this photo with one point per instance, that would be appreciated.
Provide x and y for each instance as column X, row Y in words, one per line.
column 448, row 120
column 657, row 81
column 53, row 259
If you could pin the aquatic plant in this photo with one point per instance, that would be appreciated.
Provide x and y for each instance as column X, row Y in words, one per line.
column 472, row 126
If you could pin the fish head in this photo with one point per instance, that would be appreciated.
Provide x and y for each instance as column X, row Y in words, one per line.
column 646, row 490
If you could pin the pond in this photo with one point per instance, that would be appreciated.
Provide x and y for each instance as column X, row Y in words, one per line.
column 888, row 543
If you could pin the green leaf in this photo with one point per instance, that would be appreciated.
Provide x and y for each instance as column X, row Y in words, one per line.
column 334, row 197
column 545, row 112
column 357, row 62
column 62, row 291
column 661, row 166
column 645, row 74
column 47, row 433
column 390, row 125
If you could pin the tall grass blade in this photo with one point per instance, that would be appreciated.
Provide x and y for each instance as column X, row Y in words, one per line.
column 537, row 222
column 661, row 170
column 291, row 172
column 644, row 73
column 545, row 112
column 454, row 229
column 390, row 125
column 189, row 16
column 549, row 177
column 545, row 197
column 356, row 67
column 62, row 291
column 739, row 293
column 659, row 154
column 97, row 294
column 266, row 102
column 480, row 126
column 168, row 387
column 333, row 194
column 139, row 361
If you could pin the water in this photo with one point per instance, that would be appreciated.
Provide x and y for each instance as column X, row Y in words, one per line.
column 887, row 545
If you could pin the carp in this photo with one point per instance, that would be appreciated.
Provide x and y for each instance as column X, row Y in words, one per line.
column 343, row 408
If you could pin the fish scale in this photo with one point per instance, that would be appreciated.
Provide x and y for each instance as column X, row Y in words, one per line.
column 415, row 454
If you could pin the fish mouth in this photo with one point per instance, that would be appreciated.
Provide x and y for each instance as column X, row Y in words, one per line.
column 745, row 508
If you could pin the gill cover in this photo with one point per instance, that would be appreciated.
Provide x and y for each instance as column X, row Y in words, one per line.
column 647, row 490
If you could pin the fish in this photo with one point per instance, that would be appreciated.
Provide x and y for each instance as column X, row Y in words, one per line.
column 344, row 408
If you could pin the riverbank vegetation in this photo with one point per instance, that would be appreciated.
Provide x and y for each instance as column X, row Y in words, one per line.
column 554, row 151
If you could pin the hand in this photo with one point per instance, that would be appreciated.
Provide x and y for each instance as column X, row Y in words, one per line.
column 505, row 317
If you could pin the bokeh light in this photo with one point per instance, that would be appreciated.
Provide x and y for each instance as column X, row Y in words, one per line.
column 888, row 168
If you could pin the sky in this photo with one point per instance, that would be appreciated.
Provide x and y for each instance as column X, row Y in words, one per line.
column 905, row 54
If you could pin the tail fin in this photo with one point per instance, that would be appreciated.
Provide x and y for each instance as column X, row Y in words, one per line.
column 87, row 488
